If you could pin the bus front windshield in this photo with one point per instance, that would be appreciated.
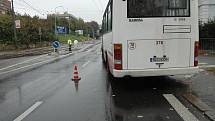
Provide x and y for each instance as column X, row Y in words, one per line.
column 158, row 8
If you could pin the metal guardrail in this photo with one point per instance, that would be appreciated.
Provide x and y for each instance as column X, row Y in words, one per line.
column 207, row 46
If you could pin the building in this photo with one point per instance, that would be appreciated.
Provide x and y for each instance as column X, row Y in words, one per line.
column 5, row 6
column 206, row 10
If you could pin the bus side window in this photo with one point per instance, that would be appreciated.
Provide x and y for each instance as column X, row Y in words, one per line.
column 109, row 18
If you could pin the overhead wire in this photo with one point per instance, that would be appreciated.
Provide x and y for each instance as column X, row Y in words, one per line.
column 20, row 4
column 25, row 3
column 33, row 8
column 96, row 5
column 101, row 5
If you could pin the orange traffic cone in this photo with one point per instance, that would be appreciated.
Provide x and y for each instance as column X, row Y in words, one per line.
column 75, row 74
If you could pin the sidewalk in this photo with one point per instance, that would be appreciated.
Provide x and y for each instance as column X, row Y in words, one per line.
column 207, row 60
column 203, row 86
column 30, row 52
column 22, row 53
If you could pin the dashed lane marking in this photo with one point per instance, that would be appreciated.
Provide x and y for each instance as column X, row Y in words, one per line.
column 185, row 114
column 29, row 111
column 85, row 64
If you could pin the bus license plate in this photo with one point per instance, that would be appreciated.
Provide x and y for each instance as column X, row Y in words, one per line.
column 157, row 59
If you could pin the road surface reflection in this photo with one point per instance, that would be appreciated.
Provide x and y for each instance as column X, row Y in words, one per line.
column 137, row 99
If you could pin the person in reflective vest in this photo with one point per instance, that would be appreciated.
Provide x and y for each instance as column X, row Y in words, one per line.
column 69, row 42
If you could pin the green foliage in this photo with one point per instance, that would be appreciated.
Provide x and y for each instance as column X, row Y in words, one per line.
column 211, row 69
column 65, row 38
column 76, row 24
column 5, row 29
column 29, row 32
column 93, row 27
column 207, row 30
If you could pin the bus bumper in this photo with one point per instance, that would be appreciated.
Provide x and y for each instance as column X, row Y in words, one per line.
column 156, row 72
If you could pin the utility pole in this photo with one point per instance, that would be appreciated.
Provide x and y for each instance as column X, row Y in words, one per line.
column 93, row 32
column 69, row 24
column 40, row 34
column 14, row 25
column 87, row 33
column 56, row 19
column 55, row 26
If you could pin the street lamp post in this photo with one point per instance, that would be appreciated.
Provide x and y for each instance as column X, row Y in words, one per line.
column 56, row 19
column 14, row 24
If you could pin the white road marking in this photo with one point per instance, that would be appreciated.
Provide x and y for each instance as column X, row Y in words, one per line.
column 29, row 111
column 21, row 62
column 89, row 50
column 85, row 64
column 207, row 66
column 139, row 116
column 203, row 63
column 201, row 70
column 187, row 76
column 26, row 66
column 35, row 64
column 185, row 114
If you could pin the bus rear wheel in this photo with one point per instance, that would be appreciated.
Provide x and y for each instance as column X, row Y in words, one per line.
column 103, row 58
column 107, row 64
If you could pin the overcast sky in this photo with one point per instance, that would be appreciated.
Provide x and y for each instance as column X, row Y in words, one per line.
column 87, row 9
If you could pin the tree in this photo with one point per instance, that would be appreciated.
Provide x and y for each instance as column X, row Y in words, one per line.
column 93, row 27
column 5, row 29
column 28, row 34
column 207, row 30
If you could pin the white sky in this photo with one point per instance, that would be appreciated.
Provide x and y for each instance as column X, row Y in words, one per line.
column 87, row 9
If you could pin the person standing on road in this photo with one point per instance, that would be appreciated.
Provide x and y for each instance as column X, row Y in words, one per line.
column 76, row 43
column 69, row 42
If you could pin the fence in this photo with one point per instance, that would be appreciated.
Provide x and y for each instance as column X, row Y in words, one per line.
column 207, row 46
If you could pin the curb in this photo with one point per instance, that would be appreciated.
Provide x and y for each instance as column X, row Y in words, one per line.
column 195, row 101
column 26, row 53
column 207, row 66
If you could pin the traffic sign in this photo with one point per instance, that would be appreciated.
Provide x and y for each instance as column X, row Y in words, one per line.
column 61, row 30
column 56, row 44
column 18, row 24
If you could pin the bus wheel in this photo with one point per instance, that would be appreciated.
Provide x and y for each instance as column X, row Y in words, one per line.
column 107, row 64
column 108, row 70
column 103, row 59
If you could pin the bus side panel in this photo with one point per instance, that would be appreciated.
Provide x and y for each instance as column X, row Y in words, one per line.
column 117, row 32
column 108, row 48
column 195, row 28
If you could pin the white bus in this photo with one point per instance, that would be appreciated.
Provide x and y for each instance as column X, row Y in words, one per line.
column 150, row 37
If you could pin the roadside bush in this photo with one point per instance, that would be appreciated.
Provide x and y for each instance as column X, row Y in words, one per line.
column 5, row 29
column 207, row 30
column 28, row 35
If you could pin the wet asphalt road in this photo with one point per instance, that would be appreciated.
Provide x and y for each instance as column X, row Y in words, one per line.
column 97, row 97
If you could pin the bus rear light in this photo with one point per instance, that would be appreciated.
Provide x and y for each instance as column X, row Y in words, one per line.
column 118, row 56
column 196, row 53
column 118, row 66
